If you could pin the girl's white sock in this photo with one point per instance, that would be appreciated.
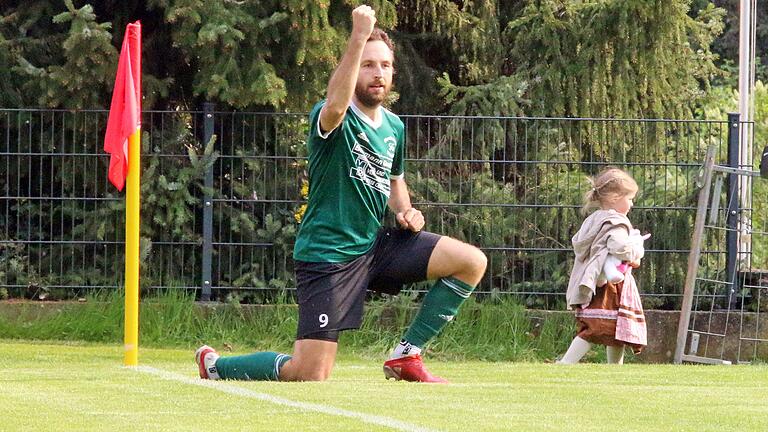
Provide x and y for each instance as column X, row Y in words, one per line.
column 615, row 354
column 576, row 351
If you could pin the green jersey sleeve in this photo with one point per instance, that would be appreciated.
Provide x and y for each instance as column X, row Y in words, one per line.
column 398, row 163
column 315, row 131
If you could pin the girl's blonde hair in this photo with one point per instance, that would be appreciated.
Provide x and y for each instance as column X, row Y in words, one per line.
column 608, row 185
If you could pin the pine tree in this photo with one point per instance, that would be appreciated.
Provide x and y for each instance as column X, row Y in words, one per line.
column 597, row 58
column 84, row 70
column 629, row 58
column 623, row 59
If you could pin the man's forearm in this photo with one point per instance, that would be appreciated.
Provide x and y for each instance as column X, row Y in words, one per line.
column 341, row 86
column 399, row 199
column 399, row 204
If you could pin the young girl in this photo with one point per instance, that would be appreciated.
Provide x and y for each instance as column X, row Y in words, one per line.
column 609, row 314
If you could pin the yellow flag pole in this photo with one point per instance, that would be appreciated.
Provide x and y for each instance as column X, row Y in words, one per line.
column 132, row 207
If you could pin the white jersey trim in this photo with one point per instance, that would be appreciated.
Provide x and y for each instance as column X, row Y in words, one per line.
column 365, row 118
column 320, row 130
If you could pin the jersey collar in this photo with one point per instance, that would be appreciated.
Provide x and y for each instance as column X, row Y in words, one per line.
column 365, row 118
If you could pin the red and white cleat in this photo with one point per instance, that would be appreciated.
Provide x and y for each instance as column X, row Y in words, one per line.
column 206, row 357
column 410, row 368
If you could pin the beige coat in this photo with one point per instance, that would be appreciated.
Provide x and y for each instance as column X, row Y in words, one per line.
column 601, row 233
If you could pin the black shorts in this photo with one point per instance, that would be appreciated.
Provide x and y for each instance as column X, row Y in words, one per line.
column 331, row 295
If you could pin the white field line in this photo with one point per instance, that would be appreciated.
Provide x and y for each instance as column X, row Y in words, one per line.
column 306, row 406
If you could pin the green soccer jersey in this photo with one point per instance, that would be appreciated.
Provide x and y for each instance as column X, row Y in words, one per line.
column 350, row 169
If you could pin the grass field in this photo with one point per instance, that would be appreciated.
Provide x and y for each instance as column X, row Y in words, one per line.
column 55, row 387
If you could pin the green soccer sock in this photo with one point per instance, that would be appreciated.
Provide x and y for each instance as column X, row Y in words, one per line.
column 439, row 307
column 260, row 366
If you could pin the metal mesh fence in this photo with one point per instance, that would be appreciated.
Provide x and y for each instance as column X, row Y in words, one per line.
column 222, row 196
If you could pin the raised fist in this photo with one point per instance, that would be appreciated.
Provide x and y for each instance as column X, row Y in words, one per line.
column 363, row 20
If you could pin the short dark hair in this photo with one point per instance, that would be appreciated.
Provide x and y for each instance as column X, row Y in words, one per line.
column 380, row 35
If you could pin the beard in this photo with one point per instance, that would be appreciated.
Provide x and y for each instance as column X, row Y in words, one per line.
column 369, row 99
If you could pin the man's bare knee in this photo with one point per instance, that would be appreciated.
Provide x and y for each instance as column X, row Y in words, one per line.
column 474, row 265
column 478, row 261
column 311, row 372
column 312, row 361
column 314, row 375
column 299, row 372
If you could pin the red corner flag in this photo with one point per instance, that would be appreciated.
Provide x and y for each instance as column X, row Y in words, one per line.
column 125, row 110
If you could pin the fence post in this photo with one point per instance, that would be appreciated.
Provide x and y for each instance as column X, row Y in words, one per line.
column 732, row 218
column 205, row 296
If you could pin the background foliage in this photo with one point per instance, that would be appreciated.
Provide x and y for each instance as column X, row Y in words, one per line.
column 553, row 58
column 604, row 58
